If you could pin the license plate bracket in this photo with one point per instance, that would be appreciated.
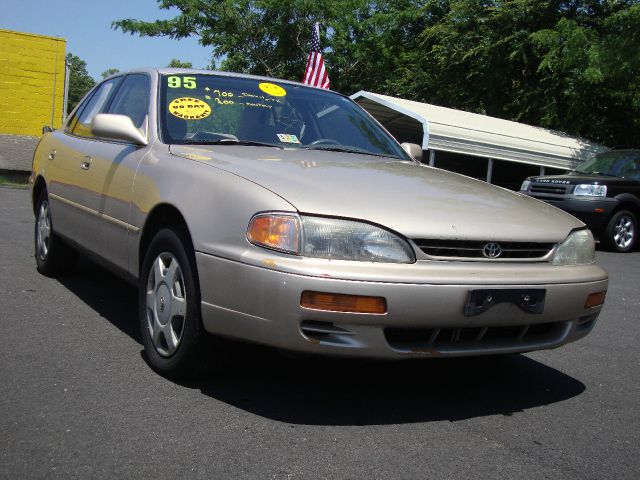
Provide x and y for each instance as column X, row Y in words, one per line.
column 530, row 300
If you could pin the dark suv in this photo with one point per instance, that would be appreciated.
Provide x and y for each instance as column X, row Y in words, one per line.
column 603, row 192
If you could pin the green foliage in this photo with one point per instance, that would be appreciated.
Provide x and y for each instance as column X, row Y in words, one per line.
column 265, row 37
column 589, row 70
column 80, row 82
column 109, row 72
column 272, row 37
column 568, row 65
column 175, row 63
column 571, row 66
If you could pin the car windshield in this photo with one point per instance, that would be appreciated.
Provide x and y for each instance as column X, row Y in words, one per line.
column 619, row 164
column 215, row 109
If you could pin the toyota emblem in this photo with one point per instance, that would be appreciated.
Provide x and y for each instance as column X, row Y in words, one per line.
column 492, row 250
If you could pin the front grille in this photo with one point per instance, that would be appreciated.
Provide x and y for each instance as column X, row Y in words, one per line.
column 548, row 188
column 474, row 249
column 473, row 338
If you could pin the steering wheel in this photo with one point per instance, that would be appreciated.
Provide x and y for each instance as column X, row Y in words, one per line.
column 325, row 141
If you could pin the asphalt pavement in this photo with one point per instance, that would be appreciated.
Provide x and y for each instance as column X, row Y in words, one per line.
column 78, row 400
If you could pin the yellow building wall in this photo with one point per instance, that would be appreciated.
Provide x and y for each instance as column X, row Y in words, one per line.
column 31, row 82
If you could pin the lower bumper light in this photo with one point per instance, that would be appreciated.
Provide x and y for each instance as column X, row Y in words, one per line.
column 595, row 299
column 337, row 302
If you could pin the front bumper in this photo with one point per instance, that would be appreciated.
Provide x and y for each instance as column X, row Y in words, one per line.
column 425, row 316
column 592, row 211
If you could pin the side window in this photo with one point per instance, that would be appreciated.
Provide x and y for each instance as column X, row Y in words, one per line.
column 132, row 98
column 81, row 123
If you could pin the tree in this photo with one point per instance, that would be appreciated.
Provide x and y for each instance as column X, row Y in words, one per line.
column 591, row 69
column 109, row 72
column 570, row 65
column 266, row 37
column 80, row 82
column 567, row 65
column 175, row 63
column 363, row 39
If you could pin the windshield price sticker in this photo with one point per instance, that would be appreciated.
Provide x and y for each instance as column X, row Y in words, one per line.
column 218, row 92
column 189, row 108
column 288, row 138
column 272, row 89
column 185, row 82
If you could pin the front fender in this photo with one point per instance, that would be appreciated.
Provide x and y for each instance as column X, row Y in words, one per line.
column 217, row 205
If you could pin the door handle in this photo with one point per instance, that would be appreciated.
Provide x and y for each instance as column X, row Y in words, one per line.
column 86, row 163
column 52, row 155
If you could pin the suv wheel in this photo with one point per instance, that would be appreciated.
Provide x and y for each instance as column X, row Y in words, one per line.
column 621, row 232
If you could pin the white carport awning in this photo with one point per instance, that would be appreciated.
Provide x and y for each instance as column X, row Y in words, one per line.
column 446, row 129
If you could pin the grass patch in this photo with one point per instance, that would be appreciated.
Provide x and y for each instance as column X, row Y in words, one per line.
column 13, row 182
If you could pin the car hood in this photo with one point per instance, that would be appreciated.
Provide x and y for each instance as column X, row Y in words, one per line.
column 414, row 200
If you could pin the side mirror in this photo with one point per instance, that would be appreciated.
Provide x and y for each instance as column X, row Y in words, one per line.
column 414, row 150
column 118, row 127
column 47, row 129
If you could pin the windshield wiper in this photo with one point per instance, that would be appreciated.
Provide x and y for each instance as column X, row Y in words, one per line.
column 229, row 141
column 332, row 148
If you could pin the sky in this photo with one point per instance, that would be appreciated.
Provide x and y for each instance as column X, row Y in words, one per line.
column 86, row 26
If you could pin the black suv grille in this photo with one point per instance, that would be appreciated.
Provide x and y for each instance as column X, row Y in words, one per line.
column 548, row 188
column 474, row 249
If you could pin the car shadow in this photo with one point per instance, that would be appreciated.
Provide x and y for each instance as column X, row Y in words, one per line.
column 307, row 390
column 110, row 296
column 322, row 391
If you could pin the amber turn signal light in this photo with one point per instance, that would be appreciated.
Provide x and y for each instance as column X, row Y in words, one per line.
column 275, row 231
column 595, row 299
column 337, row 302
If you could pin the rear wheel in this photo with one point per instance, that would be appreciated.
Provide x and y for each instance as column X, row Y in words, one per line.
column 174, row 339
column 53, row 256
column 621, row 233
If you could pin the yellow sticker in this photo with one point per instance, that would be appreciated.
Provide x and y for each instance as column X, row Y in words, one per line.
column 189, row 108
column 272, row 89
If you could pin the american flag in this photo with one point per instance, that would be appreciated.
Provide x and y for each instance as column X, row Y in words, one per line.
column 315, row 73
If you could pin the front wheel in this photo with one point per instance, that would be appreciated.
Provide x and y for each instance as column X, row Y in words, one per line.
column 621, row 233
column 169, row 307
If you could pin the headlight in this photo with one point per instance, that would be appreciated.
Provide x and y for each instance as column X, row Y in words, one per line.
column 587, row 189
column 350, row 240
column 577, row 249
column 329, row 238
column 525, row 186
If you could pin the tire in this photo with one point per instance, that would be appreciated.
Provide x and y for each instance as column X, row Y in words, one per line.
column 174, row 339
column 621, row 232
column 53, row 255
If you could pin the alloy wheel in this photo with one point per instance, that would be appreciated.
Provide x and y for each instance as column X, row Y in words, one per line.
column 166, row 304
column 624, row 232
column 43, row 230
